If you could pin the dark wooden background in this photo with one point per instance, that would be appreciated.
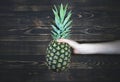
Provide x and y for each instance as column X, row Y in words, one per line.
column 25, row 33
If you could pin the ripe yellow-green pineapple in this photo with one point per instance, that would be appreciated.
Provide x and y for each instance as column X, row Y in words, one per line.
column 59, row 54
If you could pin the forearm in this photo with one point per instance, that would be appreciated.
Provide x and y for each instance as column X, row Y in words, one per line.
column 100, row 48
column 94, row 48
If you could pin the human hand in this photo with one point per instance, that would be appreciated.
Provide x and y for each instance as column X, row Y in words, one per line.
column 72, row 43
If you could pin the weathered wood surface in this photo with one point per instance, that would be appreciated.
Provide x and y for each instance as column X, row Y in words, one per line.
column 77, row 61
column 28, row 75
column 25, row 33
column 82, row 68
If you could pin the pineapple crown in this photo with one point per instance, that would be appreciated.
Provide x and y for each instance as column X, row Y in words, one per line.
column 62, row 22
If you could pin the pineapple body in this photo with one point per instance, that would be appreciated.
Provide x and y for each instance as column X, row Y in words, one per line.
column 58, row 56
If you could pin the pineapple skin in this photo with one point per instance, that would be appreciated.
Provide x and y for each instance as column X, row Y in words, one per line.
column 58, row 56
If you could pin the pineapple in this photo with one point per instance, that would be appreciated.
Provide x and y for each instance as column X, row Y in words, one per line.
column 59, row 54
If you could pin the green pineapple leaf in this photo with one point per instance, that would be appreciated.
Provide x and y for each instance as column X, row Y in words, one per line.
column 67, row 25
column 62, row 12
column 62, row 22
column 55, row 28
column 57, row 22
column 67, row 18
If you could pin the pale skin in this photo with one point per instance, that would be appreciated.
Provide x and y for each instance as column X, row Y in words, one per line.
column 112, row 47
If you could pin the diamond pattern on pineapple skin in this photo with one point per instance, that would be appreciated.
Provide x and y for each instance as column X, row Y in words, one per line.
column 62, row 51
column 62, row 56
column 53, row 50
column 66, row 53
column 60, row 60
column 50, row 47
column 66, row 48
column 59, row 65
column 50, row 58
column 64, row 63
column 58, row 47
column 66, row 58
column 54, row 62
column 55, row 57
column 58, row 53
column 52, row 54
column 62, row 46
column 54, row 45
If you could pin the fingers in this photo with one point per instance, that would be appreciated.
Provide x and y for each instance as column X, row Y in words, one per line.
column 64, row 40
column 72, row 43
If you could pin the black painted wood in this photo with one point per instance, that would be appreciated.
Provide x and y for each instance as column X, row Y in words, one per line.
column 25, row 33
column 82, row 68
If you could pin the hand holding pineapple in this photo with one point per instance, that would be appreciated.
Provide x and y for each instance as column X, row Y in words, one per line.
column 112, row 47
column 76, row 46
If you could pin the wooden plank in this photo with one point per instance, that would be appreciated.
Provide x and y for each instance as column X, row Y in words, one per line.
column 26, row 2
column 76, row 37
column 44, row 75
column 44, row 18
column 78, row 33
column 59, row 1
column 25, row 8
column 77, row 61
column 23, row 48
